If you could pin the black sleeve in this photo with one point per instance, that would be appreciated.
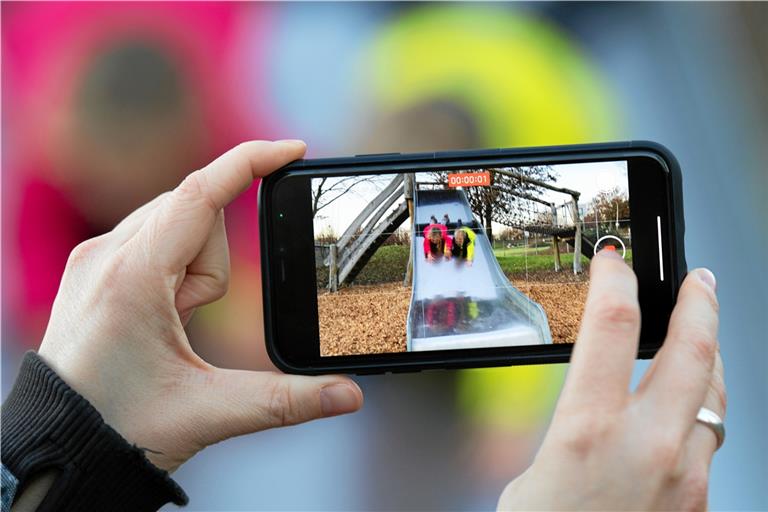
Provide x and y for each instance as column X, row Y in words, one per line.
column 46, row 424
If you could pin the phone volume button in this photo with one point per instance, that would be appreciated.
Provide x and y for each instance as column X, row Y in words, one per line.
column 282, row 270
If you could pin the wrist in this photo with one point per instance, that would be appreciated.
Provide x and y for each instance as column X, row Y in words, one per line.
column 46, row 423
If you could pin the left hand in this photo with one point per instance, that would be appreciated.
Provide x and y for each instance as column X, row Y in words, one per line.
column 116, row 332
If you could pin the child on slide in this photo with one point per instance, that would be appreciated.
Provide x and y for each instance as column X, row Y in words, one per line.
column 463, row 244
column 437, row 243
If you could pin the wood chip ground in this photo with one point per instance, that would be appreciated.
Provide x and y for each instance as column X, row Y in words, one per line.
column 371, row 319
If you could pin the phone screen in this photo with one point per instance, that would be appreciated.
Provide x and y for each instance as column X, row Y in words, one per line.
column 462, row 259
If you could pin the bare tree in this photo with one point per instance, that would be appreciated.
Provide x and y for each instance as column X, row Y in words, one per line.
column 607, row 206
column 327, row 190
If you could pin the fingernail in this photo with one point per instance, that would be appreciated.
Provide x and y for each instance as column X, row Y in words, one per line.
column 609, row 251
column 291, row 141
column 338, row 399
column 707, row 277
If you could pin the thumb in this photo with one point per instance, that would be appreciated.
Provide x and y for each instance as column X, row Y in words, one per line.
column 175, row 234
column 247, row 401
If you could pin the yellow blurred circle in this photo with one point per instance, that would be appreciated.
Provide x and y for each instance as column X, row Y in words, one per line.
column 523, row 79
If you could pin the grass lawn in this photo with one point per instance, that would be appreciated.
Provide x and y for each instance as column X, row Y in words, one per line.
column 535, row 262
column 515, row 251
column 514, row 260
column 388, row 264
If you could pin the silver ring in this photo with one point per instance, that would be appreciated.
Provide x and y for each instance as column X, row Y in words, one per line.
column 714, row 422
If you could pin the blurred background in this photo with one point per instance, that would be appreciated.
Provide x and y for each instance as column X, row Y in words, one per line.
column 106, row 105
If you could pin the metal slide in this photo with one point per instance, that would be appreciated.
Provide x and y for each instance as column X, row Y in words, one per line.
column 456, row 306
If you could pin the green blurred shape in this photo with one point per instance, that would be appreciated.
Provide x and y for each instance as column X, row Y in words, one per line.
column 523, row 79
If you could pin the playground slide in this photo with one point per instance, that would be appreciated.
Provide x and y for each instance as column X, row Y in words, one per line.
column 456, row 306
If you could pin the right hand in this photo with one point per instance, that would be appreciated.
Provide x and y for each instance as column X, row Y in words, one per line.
column 608, row 448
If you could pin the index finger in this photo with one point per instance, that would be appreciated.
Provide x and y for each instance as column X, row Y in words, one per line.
column 604, row 354
column 177, row 232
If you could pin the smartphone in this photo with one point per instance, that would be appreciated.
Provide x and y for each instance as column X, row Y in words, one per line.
column 407, row 262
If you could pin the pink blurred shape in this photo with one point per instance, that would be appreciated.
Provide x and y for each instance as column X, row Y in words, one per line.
column 46, row 49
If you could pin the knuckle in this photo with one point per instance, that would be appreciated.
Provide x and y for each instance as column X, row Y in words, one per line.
column 579, row 443
column 665, row 453
column 221, row 285
column 85, row 251
column 242, row 147
column 163, row 196
column 282, row 409
column 115, row 267
column 585, row 433
column 618, row 312
column 194, row 188
column 215, row 292
column 190, row 186
column 703, row 345
column 219, row 276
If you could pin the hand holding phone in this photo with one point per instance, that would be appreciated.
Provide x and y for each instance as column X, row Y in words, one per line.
column 611, row 449
column 117, row 329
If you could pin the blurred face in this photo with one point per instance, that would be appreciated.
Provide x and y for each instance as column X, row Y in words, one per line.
column 435, row 124
column 434, row 236
column 132, row 131
column 460, row 236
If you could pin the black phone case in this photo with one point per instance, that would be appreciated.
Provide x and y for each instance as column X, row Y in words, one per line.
column 397, row 162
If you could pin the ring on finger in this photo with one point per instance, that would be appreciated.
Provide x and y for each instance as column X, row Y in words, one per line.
column 714, row 422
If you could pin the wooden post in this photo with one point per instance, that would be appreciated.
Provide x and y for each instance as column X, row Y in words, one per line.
column 408, row 186
column 577, row 237
column 333, row 269
column 488, row 220
column 555, row 246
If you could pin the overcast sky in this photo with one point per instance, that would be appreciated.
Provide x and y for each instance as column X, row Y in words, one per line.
column 587, row 178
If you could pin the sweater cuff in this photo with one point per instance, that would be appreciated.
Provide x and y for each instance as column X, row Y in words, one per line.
column 47, row 424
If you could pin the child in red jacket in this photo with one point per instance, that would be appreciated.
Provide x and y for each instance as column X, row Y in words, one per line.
column 436, row 241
